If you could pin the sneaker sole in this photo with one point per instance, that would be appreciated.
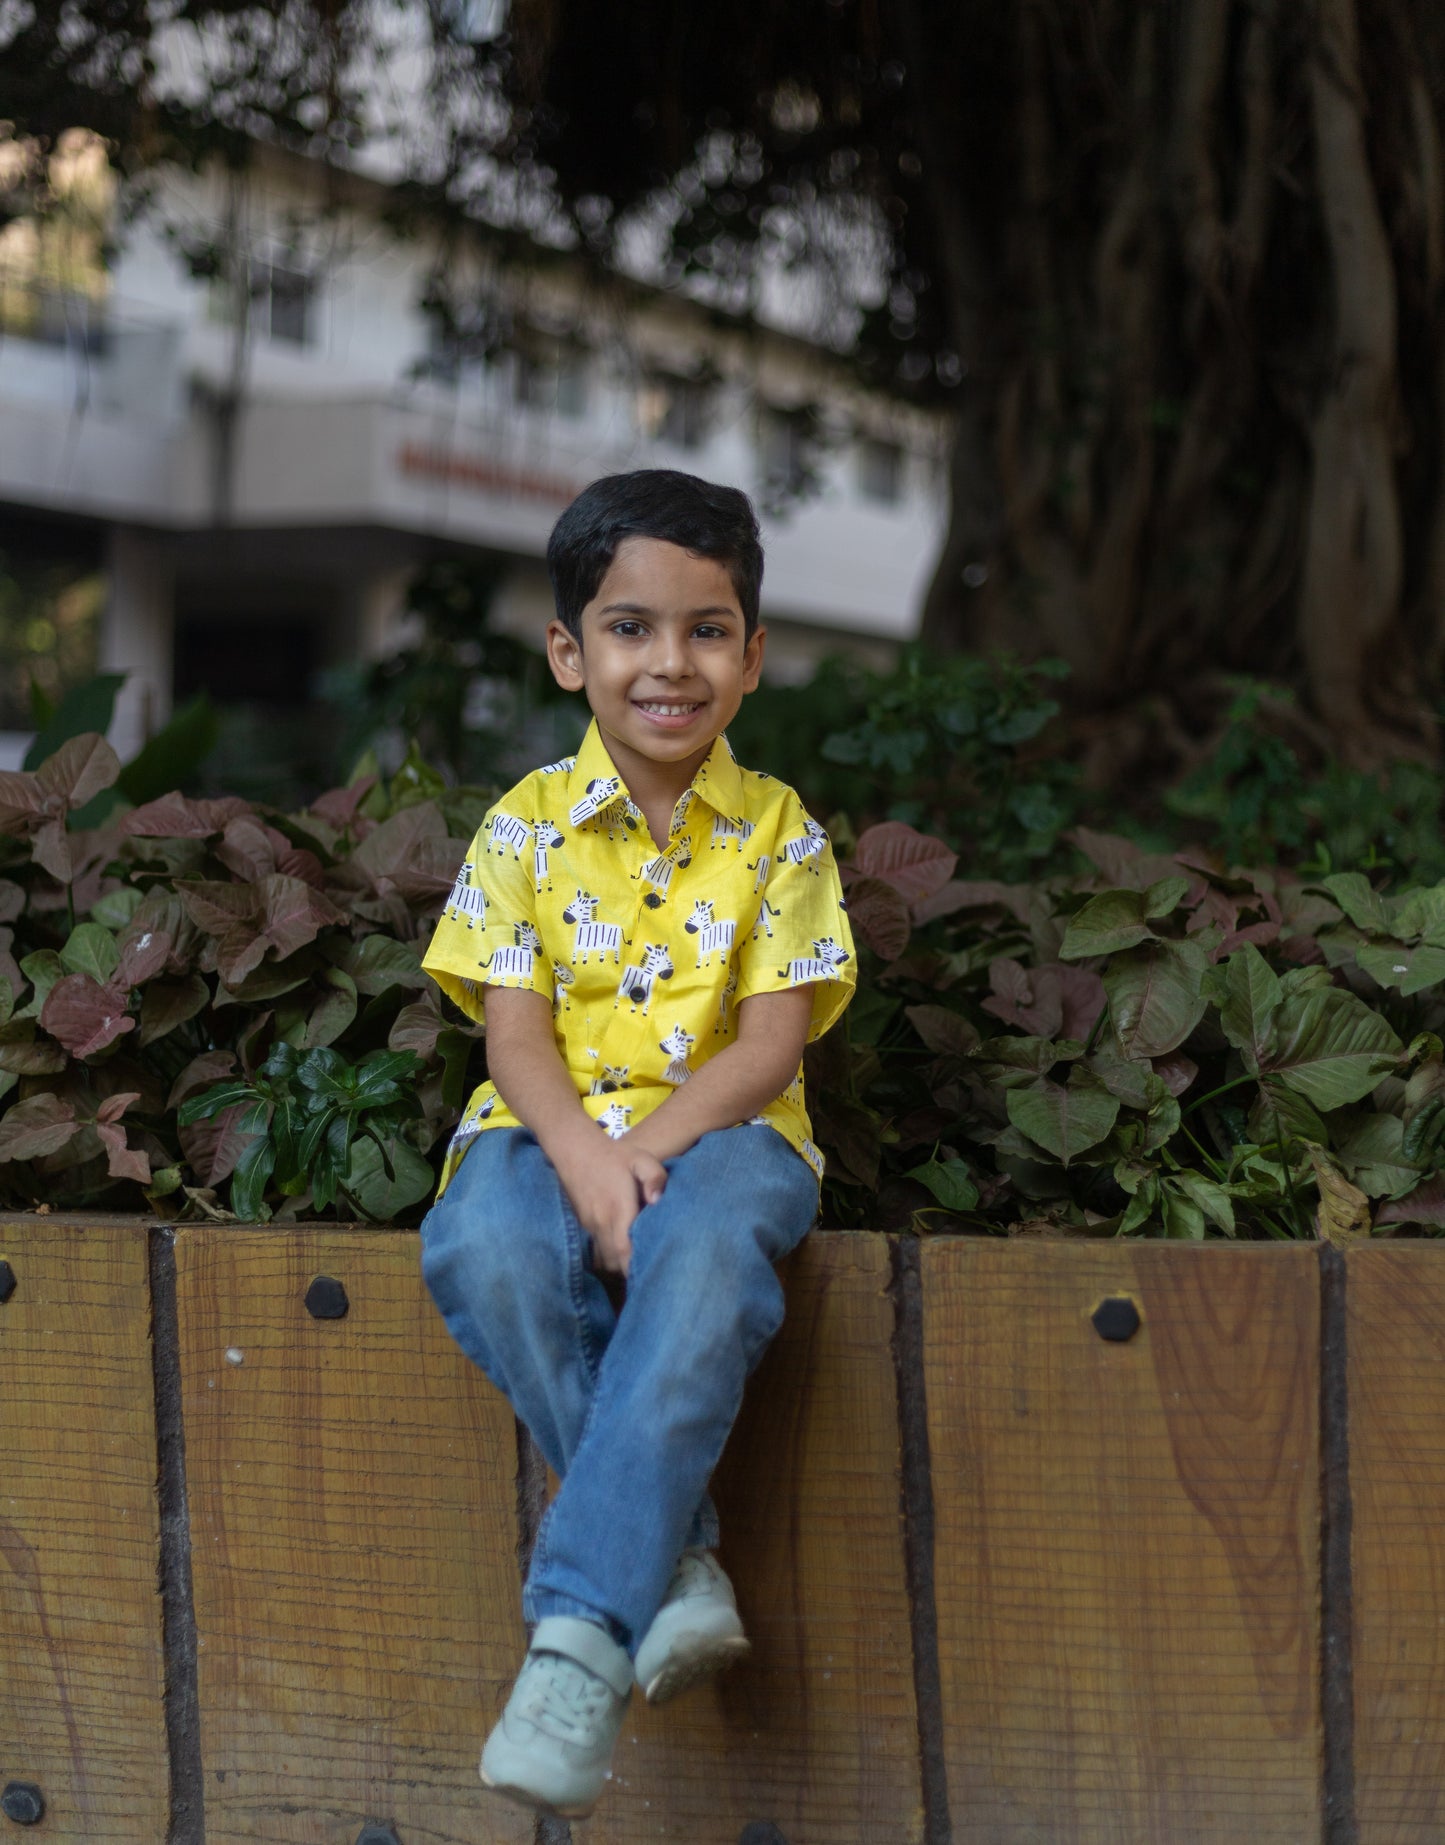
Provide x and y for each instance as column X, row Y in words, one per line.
column 711, row 1656
column 524, row 1797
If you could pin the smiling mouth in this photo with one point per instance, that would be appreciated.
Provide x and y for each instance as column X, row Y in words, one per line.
column 656, row 707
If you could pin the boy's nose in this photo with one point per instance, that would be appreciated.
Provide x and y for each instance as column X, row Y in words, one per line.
column 670, row 656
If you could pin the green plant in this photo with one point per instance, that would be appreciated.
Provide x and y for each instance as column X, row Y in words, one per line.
column 323, row 1129
column 1159, row 1043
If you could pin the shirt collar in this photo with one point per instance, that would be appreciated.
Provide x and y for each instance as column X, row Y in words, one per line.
column 719, row 780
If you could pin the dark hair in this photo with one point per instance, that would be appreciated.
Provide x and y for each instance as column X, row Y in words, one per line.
column 712, row 521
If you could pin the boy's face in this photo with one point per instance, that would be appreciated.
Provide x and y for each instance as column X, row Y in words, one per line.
column 663, row 659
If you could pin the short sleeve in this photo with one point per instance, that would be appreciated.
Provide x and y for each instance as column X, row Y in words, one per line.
column 488, row 933
column 801, row 936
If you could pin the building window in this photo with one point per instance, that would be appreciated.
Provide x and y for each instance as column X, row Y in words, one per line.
column 281, row 300
column 788, row 463
column 880, row 472
column 673, row 410
column 556, row 386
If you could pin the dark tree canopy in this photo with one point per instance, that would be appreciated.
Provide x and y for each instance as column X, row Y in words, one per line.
column 1176, row 268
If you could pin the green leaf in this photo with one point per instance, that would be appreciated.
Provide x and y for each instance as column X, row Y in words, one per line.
column 379, row 962
column 212, row 1101
column 335, row 1011
column 42, row 969
column 249, row 1182
column 382, row 1077
column 172, row 756
column 1360, row 901
column 1164, row 896
column 1212, row 1199
column 1065, row 1121
column 1423, row 1129
column 949, row 1181
column 116, row 908
column 7, row 1001
column 1372, row 1153
column 1422, row 915
column 1407, row 970
column 91, row 950
column 1330, row 1047
column 1156, row 997
column 1183, row 1219
column 1251, row 997
column 85, row 708
column 379, row 1197
column 1112, row 921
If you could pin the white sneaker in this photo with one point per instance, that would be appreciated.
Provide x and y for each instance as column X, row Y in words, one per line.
column 697, row 1630
column 552, row 1748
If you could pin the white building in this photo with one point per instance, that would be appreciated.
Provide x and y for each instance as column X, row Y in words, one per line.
column 360, row 442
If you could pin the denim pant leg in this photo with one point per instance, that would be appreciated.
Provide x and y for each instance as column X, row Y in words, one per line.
column 510, row 1269
column 702, row 1304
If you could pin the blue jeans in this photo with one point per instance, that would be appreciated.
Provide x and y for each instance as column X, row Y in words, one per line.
column 630, row 1407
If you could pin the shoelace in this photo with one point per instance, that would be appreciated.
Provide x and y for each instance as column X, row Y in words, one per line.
column 563, row 1699
column 693, row 1576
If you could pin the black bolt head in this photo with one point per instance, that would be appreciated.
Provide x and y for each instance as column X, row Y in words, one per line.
column 1116, row 1318
column 326, row 1299
column 761, row 1832
column 373, row 1834
column 23, row 1802
column 7, row 1280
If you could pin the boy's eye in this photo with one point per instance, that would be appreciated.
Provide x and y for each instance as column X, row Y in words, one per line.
column 710, row 631
column 627, row 629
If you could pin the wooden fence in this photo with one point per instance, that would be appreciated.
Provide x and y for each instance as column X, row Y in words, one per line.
column 1008, row 1580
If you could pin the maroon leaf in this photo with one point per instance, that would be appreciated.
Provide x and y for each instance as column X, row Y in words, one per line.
column 217, row 907
column 85, row 1016
column 1025, row 997
column 973, row 895
column 338, row 805
column 213, row 1147
column 416, row 1028
column 915, row 864
column 200, row 1073
column 1121, row 862
column 1176, row 1072
column 79, row 769
column 1424, row 1205
column 52, row 850
column 240, row 951
column 386, row 854
column 879, row 913
column 142, row 958
column 34, row 1128
column 122, row 1161
column 114, row 1106
column 9, row 966
column 300, row 862
column 293, row 914
column 946, row 1033
column 23, row 1054
column 249, row 848
column 12, row 900
column 22, row 799
column 175, row 817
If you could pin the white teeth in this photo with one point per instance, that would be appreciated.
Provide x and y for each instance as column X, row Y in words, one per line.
column 665, row 710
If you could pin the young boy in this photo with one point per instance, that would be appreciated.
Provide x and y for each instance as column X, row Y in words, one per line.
column 655, row 933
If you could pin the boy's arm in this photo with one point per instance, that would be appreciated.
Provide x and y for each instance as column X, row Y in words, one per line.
column 741, row 1080
column 608, row 1181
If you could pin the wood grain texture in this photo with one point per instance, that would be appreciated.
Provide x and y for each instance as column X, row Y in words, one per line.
column 1127, row 1547
column 1395, row 1302
column 352, row 1496
column 817, row 1733
column 81, row 1667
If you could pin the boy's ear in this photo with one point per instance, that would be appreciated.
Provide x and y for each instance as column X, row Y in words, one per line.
column 753, row 659
column 564, row 656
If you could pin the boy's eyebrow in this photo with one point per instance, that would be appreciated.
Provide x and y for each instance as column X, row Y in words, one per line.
column 642, row 608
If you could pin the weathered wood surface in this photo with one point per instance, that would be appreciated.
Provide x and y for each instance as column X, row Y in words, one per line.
column 81, row 1670
column 817, row 1733
column 352, row 1498
column 1127, row 1554
column 1395, row 1301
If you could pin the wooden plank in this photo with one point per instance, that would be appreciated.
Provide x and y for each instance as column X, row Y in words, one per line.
column 817, row 1733
column 82, row 1681
column 1127, row 1559
column 352, row 1495
column 1395, row 1302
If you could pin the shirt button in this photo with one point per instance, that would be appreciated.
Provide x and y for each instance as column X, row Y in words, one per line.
column 652, row 900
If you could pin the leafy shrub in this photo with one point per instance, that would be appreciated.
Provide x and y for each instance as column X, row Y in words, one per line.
column 1158, row 1044
column 205, row 994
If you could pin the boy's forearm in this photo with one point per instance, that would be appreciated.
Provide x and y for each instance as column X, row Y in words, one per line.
column 530, row 1076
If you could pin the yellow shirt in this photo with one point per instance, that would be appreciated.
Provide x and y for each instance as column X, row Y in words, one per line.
column 644, row 954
